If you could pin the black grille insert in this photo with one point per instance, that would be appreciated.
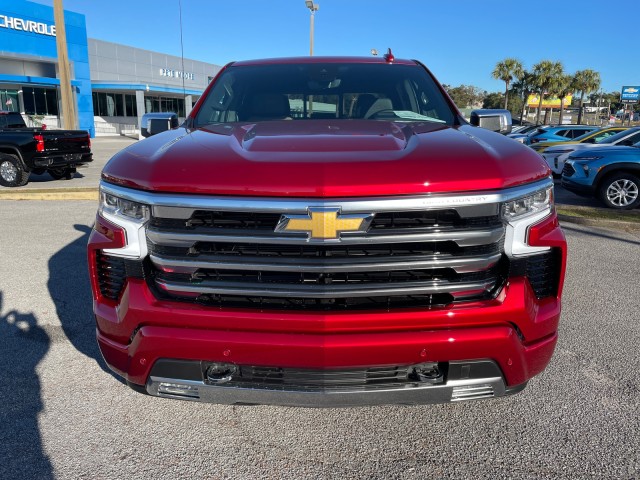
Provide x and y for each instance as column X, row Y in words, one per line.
column 113, row 272
column 111, row 275
column 383, row 223
column 390, row 250
column 568, row 170
column 333, row 304
column 542, row 271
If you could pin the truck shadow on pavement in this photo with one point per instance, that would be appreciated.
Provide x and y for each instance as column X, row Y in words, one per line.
column 70, row 291
column 600, row 233
column 46, row 178
column 23, row 345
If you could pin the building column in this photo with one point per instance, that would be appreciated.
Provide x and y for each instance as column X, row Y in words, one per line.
column 21, row 100
column 188, row 105
column 140, row 105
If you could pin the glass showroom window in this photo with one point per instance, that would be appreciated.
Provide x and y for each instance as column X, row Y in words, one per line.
column 164, row 104
column 40, row 101
column 108, row 104
column 9, row 100
column 131, row 108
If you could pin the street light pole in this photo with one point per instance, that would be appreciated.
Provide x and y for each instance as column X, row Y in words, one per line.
column 68, row 110
column 313, row 8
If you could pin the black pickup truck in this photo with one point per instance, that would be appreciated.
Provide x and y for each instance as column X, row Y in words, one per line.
column 26, row 150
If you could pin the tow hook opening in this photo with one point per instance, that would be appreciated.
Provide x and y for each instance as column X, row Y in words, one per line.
column 219, row 373
column 430, row 373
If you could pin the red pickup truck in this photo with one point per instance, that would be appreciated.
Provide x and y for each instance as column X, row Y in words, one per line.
column 327, row 232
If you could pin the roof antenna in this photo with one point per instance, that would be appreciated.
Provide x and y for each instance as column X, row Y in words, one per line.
column 389, row 56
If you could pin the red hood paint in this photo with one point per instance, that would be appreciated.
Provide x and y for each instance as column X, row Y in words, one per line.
column 320, row 158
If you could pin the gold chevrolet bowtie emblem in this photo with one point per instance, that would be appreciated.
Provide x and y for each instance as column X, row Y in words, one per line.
column 324, row 223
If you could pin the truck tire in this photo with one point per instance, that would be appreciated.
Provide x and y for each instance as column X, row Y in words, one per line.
column 58, row 173
column 620, row 190
column 12, row 172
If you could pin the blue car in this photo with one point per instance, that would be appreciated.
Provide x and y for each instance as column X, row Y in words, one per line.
column 560, row 133
column 610, row 173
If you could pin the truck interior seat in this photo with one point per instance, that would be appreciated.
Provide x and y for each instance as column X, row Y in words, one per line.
column 269, row 106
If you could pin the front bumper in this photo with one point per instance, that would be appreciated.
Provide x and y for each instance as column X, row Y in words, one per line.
column 479, row 331
column 578, row 188
column 464, row 381
column 62, row 160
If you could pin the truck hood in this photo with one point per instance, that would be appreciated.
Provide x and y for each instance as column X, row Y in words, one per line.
column 319, row 158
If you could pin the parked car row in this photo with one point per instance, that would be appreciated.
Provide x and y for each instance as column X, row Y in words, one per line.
column 592, row 161
column 557, row 154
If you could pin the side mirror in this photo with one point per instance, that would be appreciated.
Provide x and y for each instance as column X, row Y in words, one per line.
column 158, row 125
column 494, row 120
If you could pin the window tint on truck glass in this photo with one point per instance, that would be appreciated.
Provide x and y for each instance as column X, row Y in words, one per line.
column 254, row 93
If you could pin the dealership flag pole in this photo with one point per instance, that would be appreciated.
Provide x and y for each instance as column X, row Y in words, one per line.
column 68, row 110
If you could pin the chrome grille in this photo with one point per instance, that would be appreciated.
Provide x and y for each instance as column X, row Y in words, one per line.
column 418, row 257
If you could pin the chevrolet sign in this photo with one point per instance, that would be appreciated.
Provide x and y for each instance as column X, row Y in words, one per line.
column 27, row 26
column 630, row 94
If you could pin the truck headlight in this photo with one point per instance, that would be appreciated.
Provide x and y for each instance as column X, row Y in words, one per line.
column 132, row 217
column 519, row 214
column 120, row 206
column 542, row 200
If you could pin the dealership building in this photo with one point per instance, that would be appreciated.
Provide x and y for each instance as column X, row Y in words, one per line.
column 113, row 85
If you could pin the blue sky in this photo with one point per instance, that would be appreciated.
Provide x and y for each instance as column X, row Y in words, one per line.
column 460, row 41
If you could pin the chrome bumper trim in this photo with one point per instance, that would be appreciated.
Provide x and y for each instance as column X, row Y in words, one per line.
column 464, row 238
column 414, row 394
column 323, row 265
column 327, row 291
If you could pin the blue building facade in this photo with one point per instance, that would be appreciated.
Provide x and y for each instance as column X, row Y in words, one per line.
column 113, row 84
column 29, row 81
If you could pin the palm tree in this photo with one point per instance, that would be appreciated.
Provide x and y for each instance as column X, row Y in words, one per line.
column 547, row 74
column 525, row 86
column 563, row 87
column 507, row 70
column 586, row 81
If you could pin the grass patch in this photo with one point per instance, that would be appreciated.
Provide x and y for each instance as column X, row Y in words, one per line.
column 600, row 214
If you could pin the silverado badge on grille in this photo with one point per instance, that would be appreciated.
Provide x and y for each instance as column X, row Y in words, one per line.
column 324, row 223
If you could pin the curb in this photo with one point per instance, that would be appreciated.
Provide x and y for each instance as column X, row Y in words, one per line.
column 590, row 222
column 86, row 193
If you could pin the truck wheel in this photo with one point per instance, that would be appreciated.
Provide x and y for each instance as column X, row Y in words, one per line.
column 58, row 173
column 620, row 191
column 12, row 173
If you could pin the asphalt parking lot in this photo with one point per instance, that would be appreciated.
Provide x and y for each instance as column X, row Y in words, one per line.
column 65, row 416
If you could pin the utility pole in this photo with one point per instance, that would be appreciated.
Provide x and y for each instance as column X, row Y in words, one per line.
column 69, row 119
column 313, row 8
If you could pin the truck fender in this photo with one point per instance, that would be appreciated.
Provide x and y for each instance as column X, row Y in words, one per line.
column 11, row 150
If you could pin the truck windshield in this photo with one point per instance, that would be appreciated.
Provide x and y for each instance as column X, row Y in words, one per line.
column 337, row 91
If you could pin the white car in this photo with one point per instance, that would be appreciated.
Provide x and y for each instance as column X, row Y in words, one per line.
column 521, row 134
column 557, row 155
